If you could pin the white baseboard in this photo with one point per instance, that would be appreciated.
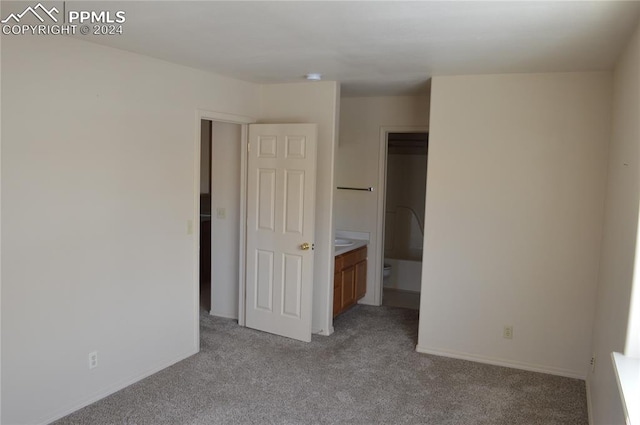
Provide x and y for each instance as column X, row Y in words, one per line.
column 115, row 388
column 589, row 405
column 323, row 332
column 404, row 291
column 223, row 315
column 503, row 362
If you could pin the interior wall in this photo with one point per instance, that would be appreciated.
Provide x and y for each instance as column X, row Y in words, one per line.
column 225, row 233
column 619, row 238
column 98, row 185
column 515, row 200
column 313, row 102
column 357, row 163
column 1, row 273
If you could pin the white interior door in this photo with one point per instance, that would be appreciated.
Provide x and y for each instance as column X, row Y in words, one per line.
column 281, row 183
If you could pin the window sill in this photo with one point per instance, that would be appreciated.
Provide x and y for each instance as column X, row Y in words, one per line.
column 628, row 376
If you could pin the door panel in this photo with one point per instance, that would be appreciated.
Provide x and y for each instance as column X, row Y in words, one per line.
column 281, row 174
column 266, row 199
column 294, row 201
column 292, row 285
column 264, row 278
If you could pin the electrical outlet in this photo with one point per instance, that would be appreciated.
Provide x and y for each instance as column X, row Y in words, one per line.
column 507, row 333
column 93, row 360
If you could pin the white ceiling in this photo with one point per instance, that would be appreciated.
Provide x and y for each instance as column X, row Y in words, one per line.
column 376, row 48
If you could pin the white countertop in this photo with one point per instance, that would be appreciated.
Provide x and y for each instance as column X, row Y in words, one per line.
column 357, row 243
column 628, row 376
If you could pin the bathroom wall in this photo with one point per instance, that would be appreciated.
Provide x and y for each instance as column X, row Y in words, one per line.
column 357, row 163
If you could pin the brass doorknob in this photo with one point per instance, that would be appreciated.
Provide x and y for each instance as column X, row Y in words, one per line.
column 305, row 246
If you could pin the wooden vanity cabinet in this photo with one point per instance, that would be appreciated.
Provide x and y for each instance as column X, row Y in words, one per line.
column 350, row 279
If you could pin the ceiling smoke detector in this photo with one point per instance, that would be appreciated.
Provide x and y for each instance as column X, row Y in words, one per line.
column 314, row 76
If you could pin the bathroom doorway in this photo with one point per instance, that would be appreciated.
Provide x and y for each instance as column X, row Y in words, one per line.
column 205, row 214
column 404, row 208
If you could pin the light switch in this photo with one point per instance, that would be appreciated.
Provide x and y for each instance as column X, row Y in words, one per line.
column 221, row 213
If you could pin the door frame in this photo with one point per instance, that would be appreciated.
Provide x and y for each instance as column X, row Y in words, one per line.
column 382, row 200
column 243, row 121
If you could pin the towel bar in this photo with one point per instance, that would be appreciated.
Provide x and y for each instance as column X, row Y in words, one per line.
column 365, row 189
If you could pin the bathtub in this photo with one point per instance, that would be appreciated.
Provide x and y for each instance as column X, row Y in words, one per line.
column 406, row 275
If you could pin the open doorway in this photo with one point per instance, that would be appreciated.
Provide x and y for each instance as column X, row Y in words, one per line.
column 404, row 208
column 220, row 217
column 205, row 214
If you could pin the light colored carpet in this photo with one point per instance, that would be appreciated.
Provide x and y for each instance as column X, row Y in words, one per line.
column 366, row 373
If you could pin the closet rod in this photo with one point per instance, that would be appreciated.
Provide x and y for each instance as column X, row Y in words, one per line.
column 365, row 189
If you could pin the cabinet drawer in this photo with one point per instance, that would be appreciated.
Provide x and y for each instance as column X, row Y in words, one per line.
column 351, row 258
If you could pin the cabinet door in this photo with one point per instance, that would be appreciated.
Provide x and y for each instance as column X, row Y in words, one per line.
column 348, row 287
column 337, row 294
column 361, row 279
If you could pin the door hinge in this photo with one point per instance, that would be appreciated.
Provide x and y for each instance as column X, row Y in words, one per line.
column 248, row 146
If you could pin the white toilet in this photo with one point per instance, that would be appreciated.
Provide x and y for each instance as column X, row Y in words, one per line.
column 386, row 272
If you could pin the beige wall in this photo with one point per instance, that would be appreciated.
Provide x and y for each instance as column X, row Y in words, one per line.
column 515, row 193
column 619, row 238
column 357, row 163
column 98, row 183
column 315, row 102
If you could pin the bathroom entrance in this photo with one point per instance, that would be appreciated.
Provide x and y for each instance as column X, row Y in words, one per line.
column 404, row 208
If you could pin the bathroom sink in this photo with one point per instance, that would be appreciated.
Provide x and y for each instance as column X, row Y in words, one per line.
column 342, row 242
